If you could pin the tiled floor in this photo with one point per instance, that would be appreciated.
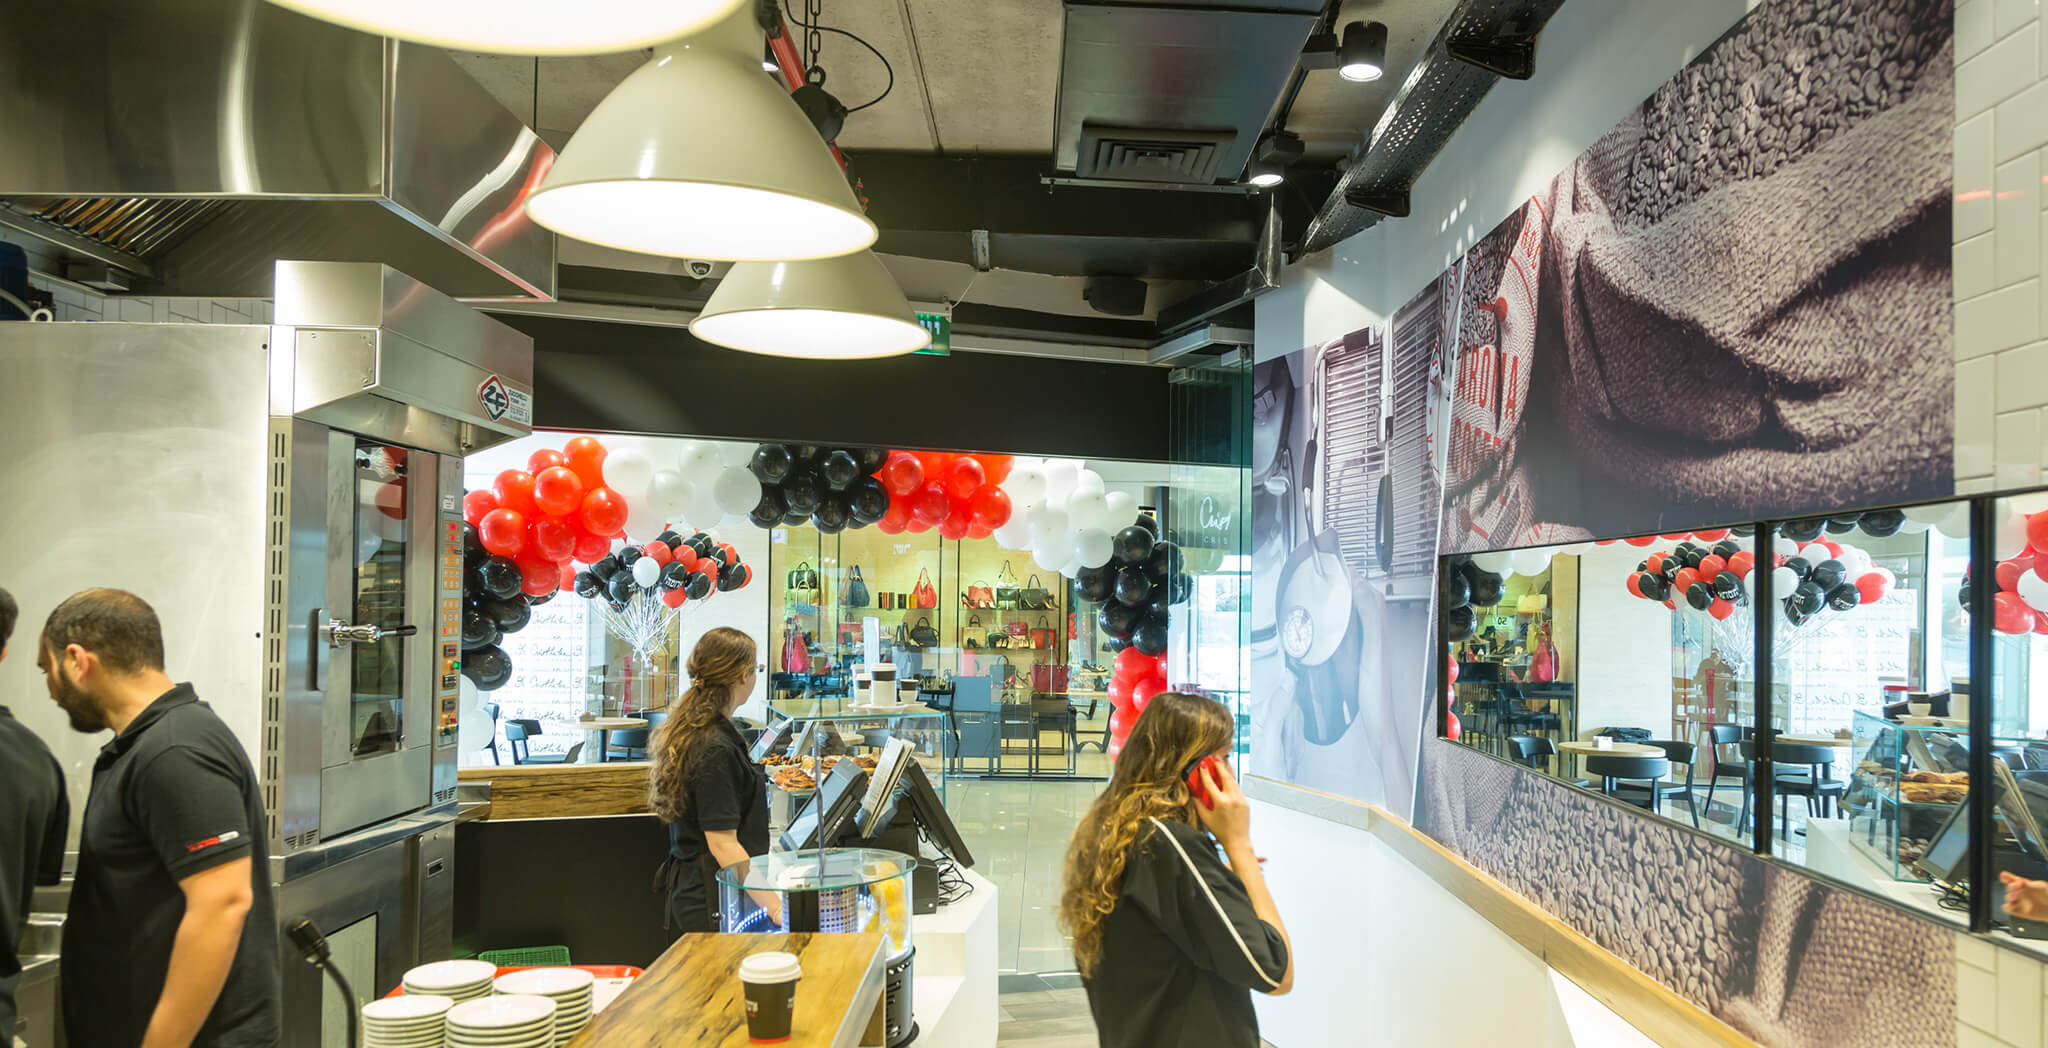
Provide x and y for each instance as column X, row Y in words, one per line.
column 1018, row 830
column 1049, row 1013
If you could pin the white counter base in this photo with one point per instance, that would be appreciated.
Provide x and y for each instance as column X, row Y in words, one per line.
column 955, row 981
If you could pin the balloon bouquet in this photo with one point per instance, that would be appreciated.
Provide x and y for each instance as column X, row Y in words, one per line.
column 1135, row 679
column 2020, row 603
column 1711, row 572
column 1136, row 589
column 960, row 495
column 1466, row 585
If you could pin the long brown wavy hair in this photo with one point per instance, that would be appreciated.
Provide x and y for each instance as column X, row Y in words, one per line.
column 721, row 659
column 1175, row 730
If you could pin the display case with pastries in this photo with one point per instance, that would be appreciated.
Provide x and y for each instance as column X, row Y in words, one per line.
column 1906, row 781
column 799, row 751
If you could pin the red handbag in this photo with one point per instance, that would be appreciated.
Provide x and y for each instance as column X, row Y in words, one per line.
column 924, row 597
column 1043, row 635
column 796, row 655
column 1050, row 679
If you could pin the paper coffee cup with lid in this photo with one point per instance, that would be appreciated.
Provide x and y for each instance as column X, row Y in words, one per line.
column 769, row 981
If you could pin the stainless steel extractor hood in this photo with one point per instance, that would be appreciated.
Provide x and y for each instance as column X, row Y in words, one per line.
column 182, row 147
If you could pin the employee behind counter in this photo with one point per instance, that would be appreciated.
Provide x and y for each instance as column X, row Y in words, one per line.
column 704, row 784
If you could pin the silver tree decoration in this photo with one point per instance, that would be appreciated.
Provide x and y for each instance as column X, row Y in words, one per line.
column 647, row 626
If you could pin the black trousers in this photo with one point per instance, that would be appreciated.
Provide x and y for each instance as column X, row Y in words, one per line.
column 690, row 903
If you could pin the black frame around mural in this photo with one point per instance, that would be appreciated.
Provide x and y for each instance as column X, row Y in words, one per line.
column 1983, row 515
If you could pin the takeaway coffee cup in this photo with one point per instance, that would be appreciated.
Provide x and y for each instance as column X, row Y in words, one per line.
column 769, row 980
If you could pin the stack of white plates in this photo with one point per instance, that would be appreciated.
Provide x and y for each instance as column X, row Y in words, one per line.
column 409, row 1021
column 511, row 1021
column 457, row 980
column 572, row 989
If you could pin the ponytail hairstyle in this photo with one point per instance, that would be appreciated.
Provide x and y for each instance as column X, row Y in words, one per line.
column 721, row 660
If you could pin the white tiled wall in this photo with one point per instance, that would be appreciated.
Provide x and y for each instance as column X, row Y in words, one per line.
column 2001, row 234
column 75, row 305
column 2001, row 995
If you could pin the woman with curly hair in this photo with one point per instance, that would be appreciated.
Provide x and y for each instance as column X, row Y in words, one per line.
column 704, row 784
column 1170, row 937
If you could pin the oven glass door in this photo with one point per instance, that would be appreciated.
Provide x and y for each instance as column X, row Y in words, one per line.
column 377, row 698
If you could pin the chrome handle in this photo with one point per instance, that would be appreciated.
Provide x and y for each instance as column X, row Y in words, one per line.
column 340, row 633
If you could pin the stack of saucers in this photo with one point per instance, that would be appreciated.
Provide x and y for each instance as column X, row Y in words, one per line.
column 458, row 981
column 572, row 989
column 506, row 1021
column 408, row 1021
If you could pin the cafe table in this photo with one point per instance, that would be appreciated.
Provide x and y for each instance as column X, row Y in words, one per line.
column 604, row 726
column 1818, row 740
column 1619, row 749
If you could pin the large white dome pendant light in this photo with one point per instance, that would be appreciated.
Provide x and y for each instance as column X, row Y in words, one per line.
column 845, row 308
column 698, row 155
column 523, row 27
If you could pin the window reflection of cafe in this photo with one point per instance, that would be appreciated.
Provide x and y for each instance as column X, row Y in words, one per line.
column 1515, row 671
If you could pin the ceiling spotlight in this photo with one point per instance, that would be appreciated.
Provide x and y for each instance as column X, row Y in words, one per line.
column 697, row 155
column 1271, row 157
column 1263, row 173
column 523, row 27
column 1363, row 55
column 844, row 308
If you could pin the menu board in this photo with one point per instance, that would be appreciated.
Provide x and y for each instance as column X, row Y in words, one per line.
column 550, row 662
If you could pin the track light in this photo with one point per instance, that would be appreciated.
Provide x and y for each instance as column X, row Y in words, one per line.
column 1264, row 173
column 1271, row 157
column 1363, row 55
column 523, row 27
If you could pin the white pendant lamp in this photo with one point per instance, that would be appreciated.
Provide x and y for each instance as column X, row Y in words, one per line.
column 845, row 308
column 523, row 27
column 697, row 155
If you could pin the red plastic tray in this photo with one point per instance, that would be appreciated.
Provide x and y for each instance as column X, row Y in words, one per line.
column 601, row 971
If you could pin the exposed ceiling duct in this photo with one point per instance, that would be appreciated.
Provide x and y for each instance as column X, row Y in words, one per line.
column 202, row 140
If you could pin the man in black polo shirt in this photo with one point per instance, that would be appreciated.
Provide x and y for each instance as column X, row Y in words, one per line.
column 172, row 936
column 33, row 820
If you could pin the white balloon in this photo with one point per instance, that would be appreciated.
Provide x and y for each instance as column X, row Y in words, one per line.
column 1093, row 547
column 1123, row 509
column 1783, row 581
column 1915, row 527
column 1531, row 562
column 669, row 494
column 1928, row 514
column 628, row 471
column 1050, row 556
column 1015, row 535
column 643, row 521
column 734, row 454
column 1060, row 477
column 1956, row 522
column 2030, row 503
column 1088, row 509
column 1785, row 547
column 1855, row 562
column 2011, row 540
column 736, row 491
column 695, row 461
column 1495, row 562
column 703, row 509
column 1050, row 528
column 1072, row 568
column 646, row 572
column 2033, row 589
column 1088, row 480
column 1025, row 485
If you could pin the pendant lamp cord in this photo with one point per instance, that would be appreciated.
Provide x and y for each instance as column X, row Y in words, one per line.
column 814, row 40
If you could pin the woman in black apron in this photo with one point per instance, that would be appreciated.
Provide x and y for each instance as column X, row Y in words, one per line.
column 703, row 783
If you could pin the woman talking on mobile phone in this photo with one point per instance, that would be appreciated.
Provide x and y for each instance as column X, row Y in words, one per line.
column 1170, row 937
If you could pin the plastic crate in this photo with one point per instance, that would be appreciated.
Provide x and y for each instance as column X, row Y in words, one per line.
column 527, row 957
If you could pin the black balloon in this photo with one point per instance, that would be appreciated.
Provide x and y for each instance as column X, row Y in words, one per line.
column 733, row 576
column 587, row 584
column 871, row 459
column 1804, row 531
column 1486, row 589
column 1882, row 523
column 869, row 502
column 606, row 567
column 1793, row 614
column 1118, row 620
column 1728, row 585
column 800, row 493
column 1163, row 561
column 499, row 577
column 472, row 543
column 630, row 554
column 1131, row 545
column 1725, row 549
column 806, row 454
column 1843, row 523
column 673, row 575
column 840, row 469
column 1132, row 586
column 1457, row 589
column 1699, row 595
column 701, row 544
column 699, row 585
column 1963, row 595
column 1149, row 523
column 1160, row 604
column 478, row 630
column 1830, row 573
column 669, row 539
column 1693, row 555
column 719, row 555
column 1809, row 598
column 1744, row 529
column 488, row 667
column 771, row 463
column 535, row 600
column 793, row 518
column 1117, row 644
column 1096, row 584
column 510, row 615
column 1181, row 588
column 832, row 515
column 1800, row 566
column 1458, row 623
column 1149, row 638
column 1651, row 585
column 768, row 512
column 1844, row 597
column 621, row 587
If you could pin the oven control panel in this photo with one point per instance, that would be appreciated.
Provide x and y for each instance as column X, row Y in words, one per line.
column 447, row 637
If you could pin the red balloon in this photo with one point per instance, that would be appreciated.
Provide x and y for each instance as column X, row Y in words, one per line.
column 1834, row 548
column 674, row 598
column 2041, row 622
column 1452, row 729
column 1684, row 579
column 591, row 548
column 603, row 512
column 1116, row 748
column 515, row 491
column 997, row 467
column 1143, row 691
column 935, row 464
column 1711, row 566
column 1720, row 609
column 1120, row 721
column 2037, row 530
column 1711, row 535
column 685, row 556
column 1671, row 603
column 1120, row 692
column 953, row 529
column 1873, row 586
column 545, row 459
column 917, row 527
column 391, row 499
column 557, row 491
column 1654, row 563
column 930, row 505
column 2009, row 571
column 897, row 518
column 965, row 478
column 659, row 552
column 902, row 474
column 2010, row 614
column 586, row 456
column 979, row 531
column 1633, row 578
column 1676, row 536
column 1742, row 563
column 1641, row 540
column 476, row 504
column 991, row 506
column 1454, row 671
column 539, row 577
column 567, row 579
column 1134, row 665
column 551, row 539
column 503, row 532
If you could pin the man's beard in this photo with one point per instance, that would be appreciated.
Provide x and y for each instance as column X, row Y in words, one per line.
column 76, row 704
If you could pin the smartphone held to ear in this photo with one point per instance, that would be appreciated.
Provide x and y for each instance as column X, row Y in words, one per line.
column 1198, row 785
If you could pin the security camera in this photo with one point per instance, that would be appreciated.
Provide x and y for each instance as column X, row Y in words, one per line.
column 699, row 268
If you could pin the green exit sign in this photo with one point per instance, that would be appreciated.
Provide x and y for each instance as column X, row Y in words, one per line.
column 941, row 328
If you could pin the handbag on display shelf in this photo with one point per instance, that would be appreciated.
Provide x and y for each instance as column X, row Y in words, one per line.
column 1043, row 635
column 1049, row 679
column 1006, row 588
column 922, row 634
column 804, row 585
column 849, row 634
column 902, row 638
column 971, row 634
column 856, row 595
column 1034, row 597
column 980, row 595
column 796, row 655
column 923, row 597
column 1017, row 631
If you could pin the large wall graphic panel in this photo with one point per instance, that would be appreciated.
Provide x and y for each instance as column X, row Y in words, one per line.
column 1736, row 304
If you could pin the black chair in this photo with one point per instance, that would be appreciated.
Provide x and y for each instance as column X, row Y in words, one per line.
column 1719, row 735
column 1527, row 749
column 628, row 744
column 1646, row 774
column 1675, row 752
column 1082, row 718
column 1823, row 793
column 492, row 709
column 516, row 736
column 1515, row 713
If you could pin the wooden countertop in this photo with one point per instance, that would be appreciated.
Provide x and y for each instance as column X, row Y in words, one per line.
column 563, row 791
column 691, row 995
